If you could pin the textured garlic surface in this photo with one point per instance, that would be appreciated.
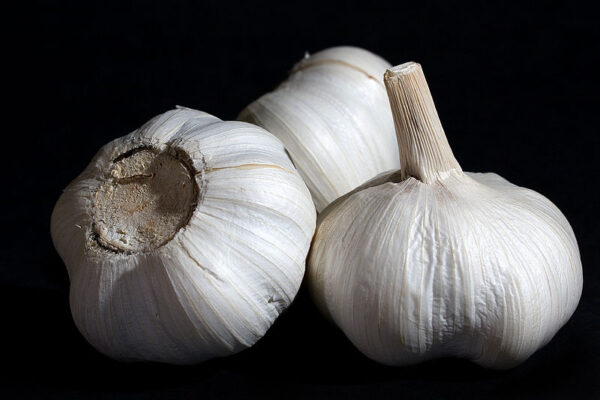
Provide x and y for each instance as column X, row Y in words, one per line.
column 183, row 240
column 333, row 117
column 430, row 261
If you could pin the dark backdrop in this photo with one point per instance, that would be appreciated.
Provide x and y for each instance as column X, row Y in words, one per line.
column 515, row 86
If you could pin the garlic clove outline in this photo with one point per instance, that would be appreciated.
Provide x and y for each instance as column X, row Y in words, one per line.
column 430, row 261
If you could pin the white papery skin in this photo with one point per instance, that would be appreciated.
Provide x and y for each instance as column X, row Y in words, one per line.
column 333, row 117
column 221, row 281
column 443, row 263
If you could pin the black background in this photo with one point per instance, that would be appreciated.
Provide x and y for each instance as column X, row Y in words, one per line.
column 516, row 89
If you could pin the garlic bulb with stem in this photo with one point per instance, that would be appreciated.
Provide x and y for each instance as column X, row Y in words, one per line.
column 431, row 261
column 183, row 240
column 333, row 117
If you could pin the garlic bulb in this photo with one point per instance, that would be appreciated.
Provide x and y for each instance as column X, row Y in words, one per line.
column 183, row 240
column 333, row 117
column 430, row 261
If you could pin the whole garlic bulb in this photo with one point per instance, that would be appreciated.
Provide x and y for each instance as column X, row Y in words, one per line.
column 430, row 261
column 183, row 240
column 333, row 117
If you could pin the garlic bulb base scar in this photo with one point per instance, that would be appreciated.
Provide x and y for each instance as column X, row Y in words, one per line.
column 148, row 196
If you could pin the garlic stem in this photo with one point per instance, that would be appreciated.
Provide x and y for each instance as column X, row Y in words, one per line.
column 424, row 150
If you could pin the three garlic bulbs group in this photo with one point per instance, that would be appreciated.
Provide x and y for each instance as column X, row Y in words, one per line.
column 185, row 239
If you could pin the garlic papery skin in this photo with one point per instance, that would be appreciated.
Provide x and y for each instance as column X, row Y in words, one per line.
column 431, row 261
column 184, row 240
column 333, row 117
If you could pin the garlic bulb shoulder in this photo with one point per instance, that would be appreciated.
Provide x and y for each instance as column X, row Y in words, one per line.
column 430, row 261
column 332, row 116
column 184, row 240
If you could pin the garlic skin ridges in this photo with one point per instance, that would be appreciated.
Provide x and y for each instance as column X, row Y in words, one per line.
column 183, row 240
column 431, row 261
column 333, row 117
